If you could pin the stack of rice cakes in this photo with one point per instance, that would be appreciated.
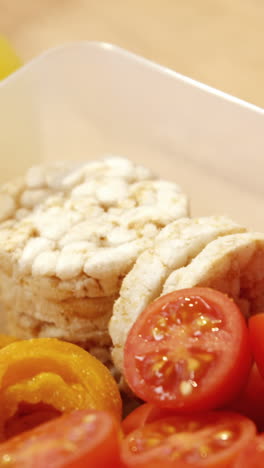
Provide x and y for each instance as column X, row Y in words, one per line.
column 69, row 234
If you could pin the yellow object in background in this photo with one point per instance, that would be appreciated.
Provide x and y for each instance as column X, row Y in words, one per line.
column 9, row 60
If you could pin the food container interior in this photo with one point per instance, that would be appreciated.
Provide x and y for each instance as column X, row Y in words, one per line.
column 84, row 100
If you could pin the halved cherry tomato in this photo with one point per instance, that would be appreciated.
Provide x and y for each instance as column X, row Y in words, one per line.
column 253, row 455
column 211, row 440
column 76, row 440
column 142, row 415
column 251, row 401
column 188, row 350
column 256, row 333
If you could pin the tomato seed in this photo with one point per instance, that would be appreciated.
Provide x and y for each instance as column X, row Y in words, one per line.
column 192, row 364
column 168, row 429
column 187, row 386
column 224, row 435
column 6, row 459
column 157, row 334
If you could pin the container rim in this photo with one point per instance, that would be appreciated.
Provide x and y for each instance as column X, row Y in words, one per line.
column 156, row 67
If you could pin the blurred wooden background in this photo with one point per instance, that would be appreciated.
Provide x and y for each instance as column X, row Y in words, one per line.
column 219, row 42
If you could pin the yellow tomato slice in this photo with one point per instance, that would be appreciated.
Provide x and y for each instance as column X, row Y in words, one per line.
column 48, row 375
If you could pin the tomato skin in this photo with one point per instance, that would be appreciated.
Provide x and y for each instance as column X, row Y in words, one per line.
column 256, row 333
column 136, row 418
column 253, row 455
column 211, row 440
column 251, row 400
column 227, row 377
column 75, row 440
column 144, row 414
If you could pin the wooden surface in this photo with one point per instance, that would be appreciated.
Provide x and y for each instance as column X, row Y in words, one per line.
column 219, row 42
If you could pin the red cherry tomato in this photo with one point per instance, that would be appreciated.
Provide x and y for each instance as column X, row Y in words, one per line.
column 76, row 440
column 251, row 401
column 188, row 350
column 142, row 415
column 253, row 455
column 256, row 333
column 211, row 440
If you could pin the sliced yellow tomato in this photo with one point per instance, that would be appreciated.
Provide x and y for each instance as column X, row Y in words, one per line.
column 7, row 339
column 42, row 378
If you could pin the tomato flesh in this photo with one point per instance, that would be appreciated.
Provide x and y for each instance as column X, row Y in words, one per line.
column 76, row 440
column 188, row 350
column 253, row 455
column 212, row 440
column 189, row 317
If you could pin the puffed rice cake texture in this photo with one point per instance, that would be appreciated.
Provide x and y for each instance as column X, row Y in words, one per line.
column 69, row 233
column 209, row 251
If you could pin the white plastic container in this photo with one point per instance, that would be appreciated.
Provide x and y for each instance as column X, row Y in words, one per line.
column 83, row 100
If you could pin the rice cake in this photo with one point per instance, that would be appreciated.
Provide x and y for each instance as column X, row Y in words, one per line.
column 69, row 234
column 175, row 247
